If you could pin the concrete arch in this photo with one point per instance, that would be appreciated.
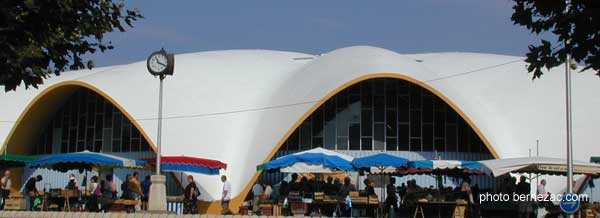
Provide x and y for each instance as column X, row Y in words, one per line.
column 240, row 198
column 41, row 109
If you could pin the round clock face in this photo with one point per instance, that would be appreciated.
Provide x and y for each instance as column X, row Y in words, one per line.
column 157, row 63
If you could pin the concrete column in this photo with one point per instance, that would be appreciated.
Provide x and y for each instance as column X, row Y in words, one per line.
column 157, row 201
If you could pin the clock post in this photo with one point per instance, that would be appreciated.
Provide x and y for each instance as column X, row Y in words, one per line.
column 159, row 64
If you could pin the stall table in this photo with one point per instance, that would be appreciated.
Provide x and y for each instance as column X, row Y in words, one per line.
column 458, row 210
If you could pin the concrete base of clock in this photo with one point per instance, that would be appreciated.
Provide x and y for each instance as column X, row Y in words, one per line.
column 157, row 201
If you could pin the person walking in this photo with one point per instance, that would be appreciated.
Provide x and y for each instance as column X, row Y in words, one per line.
column 226, row 196
column 5, row 185
column 190, row 197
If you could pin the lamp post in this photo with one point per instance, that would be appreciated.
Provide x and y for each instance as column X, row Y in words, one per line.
column 159, row 64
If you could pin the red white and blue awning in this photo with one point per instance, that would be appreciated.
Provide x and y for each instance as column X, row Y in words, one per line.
column 189, row 164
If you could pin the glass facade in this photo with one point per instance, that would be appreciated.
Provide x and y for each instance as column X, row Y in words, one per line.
column 385, row 115
column 87, row 121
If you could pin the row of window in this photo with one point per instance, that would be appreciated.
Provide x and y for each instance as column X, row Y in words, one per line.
column 89, row 122
column 385, row 114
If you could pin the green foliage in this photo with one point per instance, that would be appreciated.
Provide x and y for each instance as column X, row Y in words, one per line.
column 43, row 37
column 579, row 26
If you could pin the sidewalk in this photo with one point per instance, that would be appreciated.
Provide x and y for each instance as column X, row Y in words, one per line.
column 47, row 214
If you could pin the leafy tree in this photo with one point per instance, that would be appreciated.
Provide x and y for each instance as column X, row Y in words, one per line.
column 579, row 26
column 43, row 37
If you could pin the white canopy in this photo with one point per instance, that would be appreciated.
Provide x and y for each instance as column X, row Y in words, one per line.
column 543, row 165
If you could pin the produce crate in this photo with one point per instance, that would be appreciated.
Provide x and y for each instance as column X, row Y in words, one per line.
column 15, row 204
column 299, row 208
column 373, row 199
column 266, row 209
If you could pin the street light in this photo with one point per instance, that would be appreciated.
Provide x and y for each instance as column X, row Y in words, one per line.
column 159, row 64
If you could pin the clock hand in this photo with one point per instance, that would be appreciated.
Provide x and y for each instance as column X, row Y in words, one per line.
column 160, row 63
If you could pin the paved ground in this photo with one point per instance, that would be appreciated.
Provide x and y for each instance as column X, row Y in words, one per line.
column 28, row 214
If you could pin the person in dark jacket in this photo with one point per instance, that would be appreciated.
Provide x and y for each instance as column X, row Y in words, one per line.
column 391, row 201
column 190, row 197
column 31, row 192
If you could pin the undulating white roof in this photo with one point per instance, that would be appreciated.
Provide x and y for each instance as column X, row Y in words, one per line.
column 237, row 105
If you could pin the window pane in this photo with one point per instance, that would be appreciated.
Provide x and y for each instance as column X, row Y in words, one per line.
column 415, row 124
column 391, row 145
column 439, row 145
column 294, row 141
column 366, row 95
column 440, row 126
column 342, row 143
column 329, row 138
column 427, row 137
column 305, row 136
column 317, row 142
column 342, row 100
column 403, row 107
column 367, row 144
column 415, row 97
column 390, row 123
column 317, row 123
column 427, row 109
column 367, row 123
column 451, row 138
column 415, row 144
column 379, row 139
column 403, row 138
column 379, row 109
column 354, row 136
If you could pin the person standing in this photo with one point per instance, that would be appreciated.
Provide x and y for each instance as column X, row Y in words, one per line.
column 226, row 197
column 190, row 195
column 135, row 189
column 523, row 188
column 268, row 190
column 72, row 184
column 109, row 192
column 5, row 185
column 257, row 190
column 145, row 191
column 125, row 187
column 30, row 192
column 391, row 201
column 94, row 191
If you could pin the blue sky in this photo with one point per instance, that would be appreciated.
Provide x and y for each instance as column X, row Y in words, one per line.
column 316, row 27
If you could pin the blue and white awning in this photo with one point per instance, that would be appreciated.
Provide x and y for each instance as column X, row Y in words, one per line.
column 316, row 160
column 380, row 163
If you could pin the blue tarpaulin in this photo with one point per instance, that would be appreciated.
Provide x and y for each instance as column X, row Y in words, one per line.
column 380, row 160
column 84, row 160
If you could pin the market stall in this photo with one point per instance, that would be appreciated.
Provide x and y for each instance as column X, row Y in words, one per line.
column 380, row 163
column 314, row 161
column 442, row 198
column 82, row 161
column 540, row 166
